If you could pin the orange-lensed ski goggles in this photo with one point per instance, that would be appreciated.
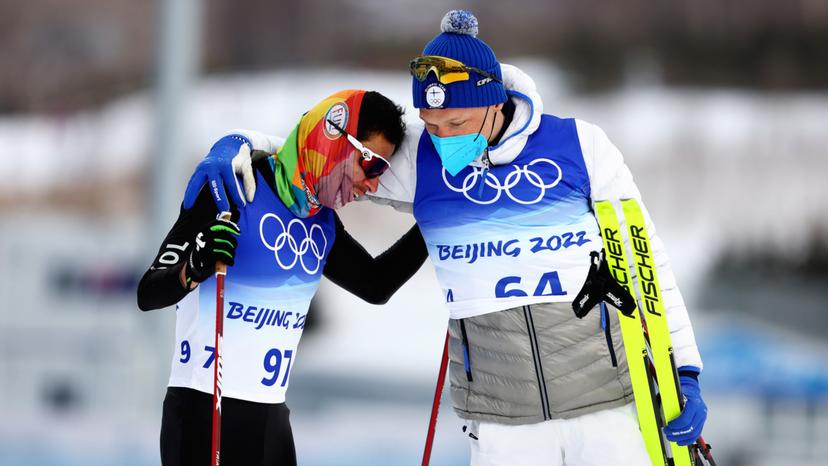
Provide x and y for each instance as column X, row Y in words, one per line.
column 447, row 70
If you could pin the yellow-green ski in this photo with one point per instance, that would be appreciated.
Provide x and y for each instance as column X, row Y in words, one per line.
column 652, row 306
column 635, row 347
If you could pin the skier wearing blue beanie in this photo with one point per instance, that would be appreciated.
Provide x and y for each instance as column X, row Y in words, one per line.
column 497, row 188
column 505, row 197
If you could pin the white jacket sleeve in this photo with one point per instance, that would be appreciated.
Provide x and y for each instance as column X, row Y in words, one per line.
column 610, row 179
column 260, row 141
column 398, row 184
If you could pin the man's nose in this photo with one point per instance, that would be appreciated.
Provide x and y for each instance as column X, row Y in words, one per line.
column 371, row 184
column 441, row 132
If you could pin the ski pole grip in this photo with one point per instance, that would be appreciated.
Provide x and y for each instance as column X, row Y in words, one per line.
column 221, row 267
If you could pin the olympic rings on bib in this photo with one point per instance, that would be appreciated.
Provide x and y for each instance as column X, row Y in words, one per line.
column 470, row 187
column 313, row 244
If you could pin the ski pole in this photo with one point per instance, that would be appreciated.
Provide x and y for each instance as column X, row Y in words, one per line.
column 432, row 423
column 221, row 271
column 702, row 450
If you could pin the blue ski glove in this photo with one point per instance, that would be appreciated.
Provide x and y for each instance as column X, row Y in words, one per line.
column 685, row 429
column 228, row 156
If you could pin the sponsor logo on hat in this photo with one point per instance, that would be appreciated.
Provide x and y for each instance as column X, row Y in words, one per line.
column 435, row 95
column 338, row 113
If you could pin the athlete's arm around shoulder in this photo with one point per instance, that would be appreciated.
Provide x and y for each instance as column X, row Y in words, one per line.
column 374, row 279
column 230, row 156
column 398, row 184
column 611, row 179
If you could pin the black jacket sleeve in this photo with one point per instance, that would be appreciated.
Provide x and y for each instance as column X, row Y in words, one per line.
column 160, row 286
column 374, row 279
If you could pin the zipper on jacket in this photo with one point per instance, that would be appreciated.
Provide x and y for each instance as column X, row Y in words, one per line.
column 605, row 325
column 466, row 357
column 533, row 342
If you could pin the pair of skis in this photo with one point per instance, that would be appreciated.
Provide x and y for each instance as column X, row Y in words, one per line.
column 645, row 332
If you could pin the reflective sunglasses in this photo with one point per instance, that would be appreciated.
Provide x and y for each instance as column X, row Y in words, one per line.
column 372, row 163
column 447, row 70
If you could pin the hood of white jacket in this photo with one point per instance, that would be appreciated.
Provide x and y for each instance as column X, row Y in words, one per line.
column 528, row 110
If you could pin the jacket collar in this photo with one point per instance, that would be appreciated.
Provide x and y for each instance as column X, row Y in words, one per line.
column 528, row 110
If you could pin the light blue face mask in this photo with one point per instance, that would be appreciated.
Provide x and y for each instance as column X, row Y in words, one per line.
column 456, row 152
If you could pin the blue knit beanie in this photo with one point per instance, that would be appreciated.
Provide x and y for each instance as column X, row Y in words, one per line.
column 459, row 41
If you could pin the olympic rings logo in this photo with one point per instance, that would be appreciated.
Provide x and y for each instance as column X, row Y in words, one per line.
column 471, row 186
column 313, row 244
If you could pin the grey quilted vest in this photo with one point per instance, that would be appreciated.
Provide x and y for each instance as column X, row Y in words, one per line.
column 533, row 363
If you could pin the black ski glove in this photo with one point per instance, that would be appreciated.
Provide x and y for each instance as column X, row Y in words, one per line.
column 600, row 286
column 216, row 242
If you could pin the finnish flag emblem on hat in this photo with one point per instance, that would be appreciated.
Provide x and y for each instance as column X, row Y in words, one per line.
column 435, row 95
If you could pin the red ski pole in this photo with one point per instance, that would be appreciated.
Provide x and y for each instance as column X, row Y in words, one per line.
column 441, row 378
column 702, row 449
column 221, row 271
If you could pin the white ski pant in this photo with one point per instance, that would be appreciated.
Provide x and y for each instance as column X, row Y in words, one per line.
column 608, row 437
